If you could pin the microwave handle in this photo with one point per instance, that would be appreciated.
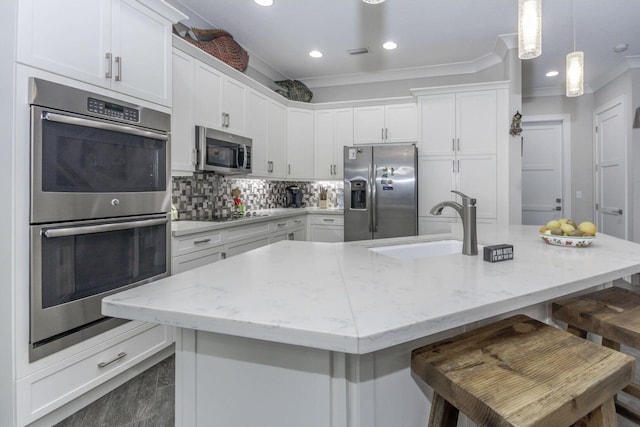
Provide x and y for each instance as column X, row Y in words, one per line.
column 89, row 229
column 60, row 118
column 246, row 157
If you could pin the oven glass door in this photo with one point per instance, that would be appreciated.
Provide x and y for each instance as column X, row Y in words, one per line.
column 75, row 265
column 227, row 155
column 80, row 165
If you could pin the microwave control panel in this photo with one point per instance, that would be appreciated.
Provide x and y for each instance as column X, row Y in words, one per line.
column 113, row 110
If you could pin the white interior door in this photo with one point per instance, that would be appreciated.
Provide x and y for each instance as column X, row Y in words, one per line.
column 542, row 172
column 611, row 171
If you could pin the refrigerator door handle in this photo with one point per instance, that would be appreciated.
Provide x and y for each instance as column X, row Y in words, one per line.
column 374, row 197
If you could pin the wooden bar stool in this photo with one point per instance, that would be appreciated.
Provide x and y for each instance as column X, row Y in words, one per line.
column 612, row 313
column 522, row 372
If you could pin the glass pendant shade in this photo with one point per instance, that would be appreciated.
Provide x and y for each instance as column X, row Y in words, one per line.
column 575, row 73
column 529, row 28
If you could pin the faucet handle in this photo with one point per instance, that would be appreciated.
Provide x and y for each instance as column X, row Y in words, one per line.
column 465, row 199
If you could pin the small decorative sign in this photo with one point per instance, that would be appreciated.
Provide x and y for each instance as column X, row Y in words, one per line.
column 497, row 253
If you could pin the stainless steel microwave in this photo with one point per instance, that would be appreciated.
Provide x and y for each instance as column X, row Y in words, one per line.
column 222, row 152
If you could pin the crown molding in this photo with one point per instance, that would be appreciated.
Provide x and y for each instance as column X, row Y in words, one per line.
column 628, row 63
column 503, row 44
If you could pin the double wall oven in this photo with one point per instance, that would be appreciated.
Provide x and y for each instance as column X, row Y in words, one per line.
column 99, row 216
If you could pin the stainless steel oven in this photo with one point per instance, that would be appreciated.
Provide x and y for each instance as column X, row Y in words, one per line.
column 100, row 202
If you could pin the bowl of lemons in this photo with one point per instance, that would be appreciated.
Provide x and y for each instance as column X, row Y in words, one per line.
column 565, row 232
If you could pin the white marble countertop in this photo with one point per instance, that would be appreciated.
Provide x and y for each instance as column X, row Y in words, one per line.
column 184, row 227
column 344, row 297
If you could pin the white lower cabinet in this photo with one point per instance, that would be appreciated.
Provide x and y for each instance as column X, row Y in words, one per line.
column 288, row 229
column 55, row 385
column 326, row 228
column 201, row 248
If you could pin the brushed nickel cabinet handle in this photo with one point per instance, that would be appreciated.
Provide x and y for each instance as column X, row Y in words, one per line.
column 201, row 241
column 109, row 73
column 115, row 359
column 119, row 68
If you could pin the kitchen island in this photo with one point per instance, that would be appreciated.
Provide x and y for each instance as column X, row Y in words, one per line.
column 315, row 334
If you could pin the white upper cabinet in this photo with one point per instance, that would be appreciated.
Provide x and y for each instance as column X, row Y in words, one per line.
column 385, row 123
column 183, row 135
column 220, row 100
column 333, row 130
column 299, row 143
column 258, row 131
column 458, row 123
column 277, row 140
column 117, row 44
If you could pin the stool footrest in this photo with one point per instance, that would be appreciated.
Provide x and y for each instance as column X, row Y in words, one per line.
column 626, row 411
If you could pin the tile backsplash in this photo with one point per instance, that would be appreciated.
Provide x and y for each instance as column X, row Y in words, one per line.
column 206, row 196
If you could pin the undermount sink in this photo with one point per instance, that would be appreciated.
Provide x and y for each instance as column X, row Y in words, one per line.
column 420, row 250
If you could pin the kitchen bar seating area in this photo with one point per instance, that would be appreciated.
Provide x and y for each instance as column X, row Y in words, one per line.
column 522, row 372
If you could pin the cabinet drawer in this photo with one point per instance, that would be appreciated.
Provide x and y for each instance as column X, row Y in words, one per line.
column 196, row 259
column 195, row 242
column 247, row 231
column 287, row 223
column 53, row 387
column 326, row 219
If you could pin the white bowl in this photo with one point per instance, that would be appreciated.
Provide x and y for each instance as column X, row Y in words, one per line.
column 570, row 241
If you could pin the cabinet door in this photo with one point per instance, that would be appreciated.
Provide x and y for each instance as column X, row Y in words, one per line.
column 208, row 96
column 299, row 234
column 437, row 124
column 401, row 123
column 326, row 233
column 476, row 178
column 277, row 140
column 436, row 179
column 299, row 143
column 236, row 248
column 66, row 37
column 476, row 122
column 324, row 133
column 257, row 130
column 343, row 136
column 141, row 39
column 368, row 125
column 233, row 106
column 182, row 123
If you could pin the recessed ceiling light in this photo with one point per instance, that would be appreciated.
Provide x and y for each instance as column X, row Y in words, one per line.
column 315, row 54
column 552, row 73
column 264, row 2
column 373, row 1
column 621, row 47
column 389, row 45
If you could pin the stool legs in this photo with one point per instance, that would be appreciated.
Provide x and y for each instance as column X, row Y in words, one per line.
column 604, row 415
column 443, row 413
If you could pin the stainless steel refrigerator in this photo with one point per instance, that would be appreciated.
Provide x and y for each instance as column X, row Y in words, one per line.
column 380, row 191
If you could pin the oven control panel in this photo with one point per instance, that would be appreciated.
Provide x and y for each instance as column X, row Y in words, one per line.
column 113, row 110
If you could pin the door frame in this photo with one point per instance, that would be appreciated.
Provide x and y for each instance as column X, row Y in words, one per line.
column 619, row 100
column 565, row 122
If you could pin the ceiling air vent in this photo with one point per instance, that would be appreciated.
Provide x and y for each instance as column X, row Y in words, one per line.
column 359, row 51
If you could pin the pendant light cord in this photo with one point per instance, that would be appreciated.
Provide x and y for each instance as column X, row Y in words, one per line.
column 573, row 15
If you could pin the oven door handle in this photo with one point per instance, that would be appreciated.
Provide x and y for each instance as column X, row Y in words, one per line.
column 60, row 118
column 89, row 229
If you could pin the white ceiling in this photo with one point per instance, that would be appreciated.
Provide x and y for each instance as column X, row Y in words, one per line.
column 434, row 37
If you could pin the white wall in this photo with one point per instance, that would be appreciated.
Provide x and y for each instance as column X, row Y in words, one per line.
column 635, row 155
column 581, row 111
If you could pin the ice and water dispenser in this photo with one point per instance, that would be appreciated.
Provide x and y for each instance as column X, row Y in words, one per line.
column 358, row 194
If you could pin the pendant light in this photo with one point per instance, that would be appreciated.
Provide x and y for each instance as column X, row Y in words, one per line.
column 575, row 66
column 529, row 28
